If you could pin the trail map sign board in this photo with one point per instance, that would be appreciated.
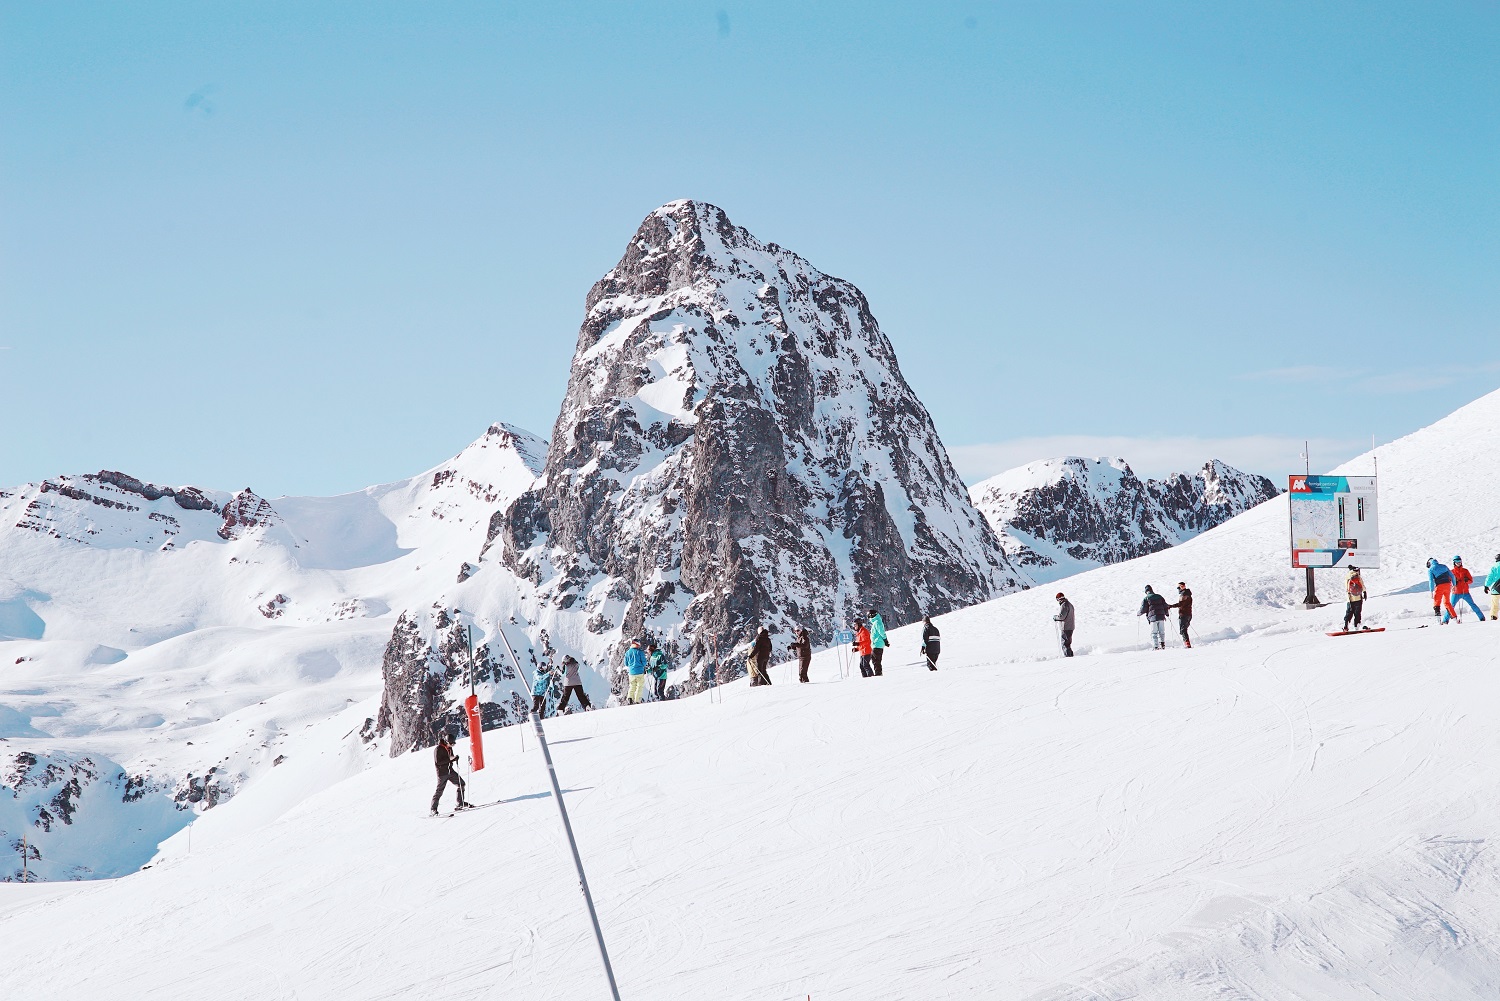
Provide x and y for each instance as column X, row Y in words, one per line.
column 1334, row 521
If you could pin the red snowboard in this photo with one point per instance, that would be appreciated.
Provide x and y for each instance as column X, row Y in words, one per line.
column 1358, row 632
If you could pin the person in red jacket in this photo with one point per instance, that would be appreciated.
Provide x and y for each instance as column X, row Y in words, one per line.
column 1462, row 579
column 863, row 648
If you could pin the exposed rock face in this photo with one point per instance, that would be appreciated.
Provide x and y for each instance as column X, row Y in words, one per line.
column 737, row 446
column 245, row 513
column 1061, row 516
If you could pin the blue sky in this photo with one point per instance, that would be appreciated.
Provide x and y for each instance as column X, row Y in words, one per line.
column 307, row 247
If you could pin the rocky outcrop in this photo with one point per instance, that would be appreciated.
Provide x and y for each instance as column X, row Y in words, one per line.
column 1057, row 517
column 246, row 513
column 737, row 446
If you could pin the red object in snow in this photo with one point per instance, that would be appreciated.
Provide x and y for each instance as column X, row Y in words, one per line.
column 476, row 736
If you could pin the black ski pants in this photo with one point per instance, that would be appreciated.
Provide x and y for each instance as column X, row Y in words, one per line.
column 865, row 671
column 661, row 689
column 876, row 656
column 1354, row 611
column 539, row 706
column 1067, row 642
column 762, row 671
column 443, row 779
column 932, row 651
column 583, row 699
column 1183, row 621
column 803, row 663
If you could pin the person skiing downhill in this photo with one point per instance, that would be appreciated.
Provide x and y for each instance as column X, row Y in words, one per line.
column 1066, row 619
column 1184, row 606
column 656, row 659
column 1154, row 608
column 932, row 643
column 1462, row 581
column 862, row 647
column 760, row 655
column 1440, row 582
column 1354, row 588
column 878, row 642
column 802, row 647
column 1492, row 588
column 447, row 770
column 635, row 663
column 572, row 683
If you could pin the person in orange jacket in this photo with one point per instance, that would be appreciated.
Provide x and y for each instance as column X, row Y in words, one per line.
column 863, row 648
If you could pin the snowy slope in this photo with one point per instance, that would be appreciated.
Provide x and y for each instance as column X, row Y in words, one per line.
column 1273, row 814
column 169, row 653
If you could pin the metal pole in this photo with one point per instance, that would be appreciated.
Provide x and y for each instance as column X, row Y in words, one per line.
column 562, row 810
column 25, row 858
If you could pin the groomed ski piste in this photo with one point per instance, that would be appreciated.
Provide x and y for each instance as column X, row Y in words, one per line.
column 1272, row 814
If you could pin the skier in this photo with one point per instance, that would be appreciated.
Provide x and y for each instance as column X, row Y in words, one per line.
column 1154, row 608
column 862, row 647
column 802, row 647
column 1066, row 620
column 447, row 770
column 760, row 655
column 657, row 659
column 878, row 642
column 539, row 691
column 1461, row 581
column 932, row 643
column 572, row 683
column 1184, row 606
column 1492, row 587
column 1354, row 610
column 635, row 663
column 1440, row 583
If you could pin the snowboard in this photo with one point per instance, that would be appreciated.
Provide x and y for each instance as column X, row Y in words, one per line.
column 1357, row 632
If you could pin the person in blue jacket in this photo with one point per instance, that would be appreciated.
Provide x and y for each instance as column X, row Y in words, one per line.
column 878, row 641
column 635, row 664
column 1440, row 582
column 539, row 691
column 656, row 660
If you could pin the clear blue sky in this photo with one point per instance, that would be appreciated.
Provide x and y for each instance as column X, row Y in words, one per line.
column 307, row 247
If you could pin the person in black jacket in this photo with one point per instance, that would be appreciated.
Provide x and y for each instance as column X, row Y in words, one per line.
column 447, row 768
column 802, row 647
column 1154, row 608
column 762, row 653
column 932, row 642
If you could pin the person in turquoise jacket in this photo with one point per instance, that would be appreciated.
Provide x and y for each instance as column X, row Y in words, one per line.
column 1492, row 588
column 635, row 663
column 539, row 690
column 878, row 642
column 656, row 658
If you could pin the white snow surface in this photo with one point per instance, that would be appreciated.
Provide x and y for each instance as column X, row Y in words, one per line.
column 1273, row 814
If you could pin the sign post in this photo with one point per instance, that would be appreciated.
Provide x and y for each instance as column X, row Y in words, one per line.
column 1334, row 522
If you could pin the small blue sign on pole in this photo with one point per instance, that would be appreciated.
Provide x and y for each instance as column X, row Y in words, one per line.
column 844, row 636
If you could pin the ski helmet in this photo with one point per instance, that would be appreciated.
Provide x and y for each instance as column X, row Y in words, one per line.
column 1458, row 559
column 1059, row 596
column 1430, row 561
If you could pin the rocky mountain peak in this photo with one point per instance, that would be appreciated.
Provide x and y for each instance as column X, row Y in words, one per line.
column 737, row 445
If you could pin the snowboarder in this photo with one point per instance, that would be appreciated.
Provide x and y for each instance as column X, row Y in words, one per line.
column 862, row 647
column 1492, row 587
column 760, row 658
column 1440, row 582
column 635, row 663
column 656, row 658
column 1154, row 608
column 878, row 642
column 1354, row 588
column 1462, row 580
column 932, row 642
column 802, row 647
column 1184, row 606
column 539, row 691
column 572, row 683
column 447, row 770
column 1066, row 620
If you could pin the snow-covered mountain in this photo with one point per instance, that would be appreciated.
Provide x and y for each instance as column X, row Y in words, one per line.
column 1058, row 517
column 1272, row 814
column 738, row 447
